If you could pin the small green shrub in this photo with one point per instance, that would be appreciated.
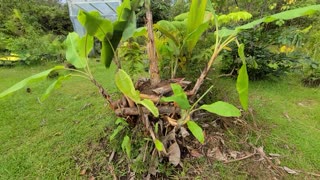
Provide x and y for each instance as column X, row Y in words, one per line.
column 34, row 33
column 311, row 72
column 35, row 49
column 264, row 55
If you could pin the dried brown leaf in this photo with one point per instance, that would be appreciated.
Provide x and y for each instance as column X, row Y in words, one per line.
column 171, row 121
column 301, row 104
column 195, row 153
column 261, row 152
column 287, row 116
column 234, row 154
column 220, row 156
column 87, row 105
column 184, row 132
column 153, row 164
column 174, row 154
column 289, row 171
column 171, row 136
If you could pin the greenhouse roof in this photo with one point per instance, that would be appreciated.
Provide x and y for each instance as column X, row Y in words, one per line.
column 107, row 9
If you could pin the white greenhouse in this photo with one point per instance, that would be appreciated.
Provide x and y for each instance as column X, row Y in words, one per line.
column 107, row 9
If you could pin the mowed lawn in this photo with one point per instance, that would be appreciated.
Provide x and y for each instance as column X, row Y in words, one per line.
column 291, row 113
column 288, row 117
column 39, row 140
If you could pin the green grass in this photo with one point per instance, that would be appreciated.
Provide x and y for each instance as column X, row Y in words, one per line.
column 289, row 117
column 39, row 140
column 292, row 114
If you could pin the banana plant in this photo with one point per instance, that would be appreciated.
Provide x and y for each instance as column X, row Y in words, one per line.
column 111, row 33
column 184, row 32
column 180, row 98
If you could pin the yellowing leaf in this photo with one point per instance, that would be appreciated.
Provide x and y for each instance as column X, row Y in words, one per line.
column 286, row 49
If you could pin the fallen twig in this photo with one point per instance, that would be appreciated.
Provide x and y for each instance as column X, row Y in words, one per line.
column 111, row 170
column 240, row 159
column 263, row 155
column 112, row 155
column 227, row 75
column 309, row 173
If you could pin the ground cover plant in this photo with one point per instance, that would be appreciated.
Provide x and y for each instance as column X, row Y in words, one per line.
column 164, row 120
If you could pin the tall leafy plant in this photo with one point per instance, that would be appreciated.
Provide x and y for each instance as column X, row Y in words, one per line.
column 185, row 31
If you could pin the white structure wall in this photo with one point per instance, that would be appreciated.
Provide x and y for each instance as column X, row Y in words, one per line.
column 107, row 9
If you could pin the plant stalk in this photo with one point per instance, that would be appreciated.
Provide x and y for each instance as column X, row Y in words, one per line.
column 204, row 73
column 153, row 68
column 206, row 70
column 102, row 91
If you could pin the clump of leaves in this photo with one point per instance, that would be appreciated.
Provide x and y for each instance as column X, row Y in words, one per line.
column 261, row 61
column 133, row 57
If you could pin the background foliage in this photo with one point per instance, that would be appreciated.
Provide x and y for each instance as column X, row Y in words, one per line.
column 275, row 48
column 33, row 29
